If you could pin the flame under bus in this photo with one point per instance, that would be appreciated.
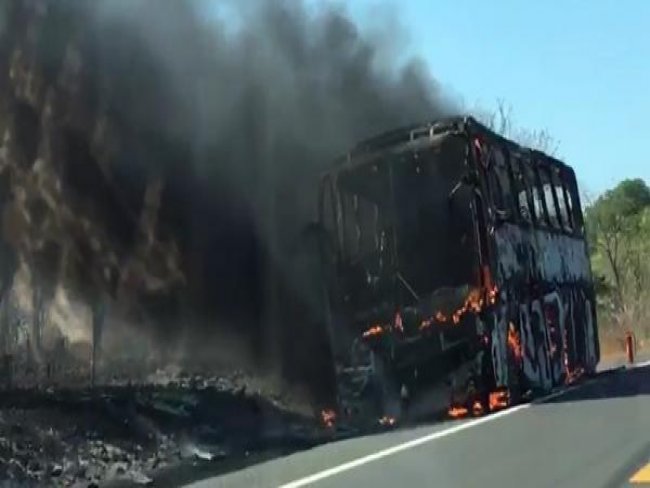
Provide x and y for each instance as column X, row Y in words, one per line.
column 457, row 272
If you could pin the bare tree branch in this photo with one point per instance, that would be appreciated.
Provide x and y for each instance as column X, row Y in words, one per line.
column 501, row 120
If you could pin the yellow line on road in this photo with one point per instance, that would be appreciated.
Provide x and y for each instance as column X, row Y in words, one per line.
column 642, row 475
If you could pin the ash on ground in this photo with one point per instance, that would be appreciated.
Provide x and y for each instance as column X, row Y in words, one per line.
column 137, row 434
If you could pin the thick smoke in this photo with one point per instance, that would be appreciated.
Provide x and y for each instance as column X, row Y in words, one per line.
column 266, row 108
column 241, row 112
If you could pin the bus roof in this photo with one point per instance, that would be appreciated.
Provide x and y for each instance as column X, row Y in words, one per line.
column 429, row 133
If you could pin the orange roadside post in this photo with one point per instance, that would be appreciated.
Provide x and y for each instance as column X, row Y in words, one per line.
column 629, row 346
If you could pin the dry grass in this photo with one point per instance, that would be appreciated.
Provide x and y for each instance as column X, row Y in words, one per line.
column 612, row 346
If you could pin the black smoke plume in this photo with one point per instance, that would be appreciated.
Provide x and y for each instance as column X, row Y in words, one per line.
column 239, row 112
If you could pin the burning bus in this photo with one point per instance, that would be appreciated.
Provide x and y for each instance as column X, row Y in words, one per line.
column 456, row 273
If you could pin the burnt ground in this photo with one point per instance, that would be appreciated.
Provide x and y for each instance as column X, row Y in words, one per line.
column 142, row 434
column 149, row 434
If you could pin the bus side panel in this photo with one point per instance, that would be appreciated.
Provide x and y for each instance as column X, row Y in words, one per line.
column 551, row 316
column 546, row 315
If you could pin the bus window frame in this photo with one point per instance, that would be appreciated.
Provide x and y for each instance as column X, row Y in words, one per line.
column 559, row 186
column 571, row 188
column 514, row 194
column 508, row 198
column 541, row 220
column 543, row 169
column 516, row 162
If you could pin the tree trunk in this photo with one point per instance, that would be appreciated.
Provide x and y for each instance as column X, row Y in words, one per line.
column 617, row 279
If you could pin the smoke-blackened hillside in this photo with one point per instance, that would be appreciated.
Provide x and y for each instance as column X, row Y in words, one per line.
column 158, row 165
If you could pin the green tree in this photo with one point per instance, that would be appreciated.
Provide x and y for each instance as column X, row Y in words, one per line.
column 612, row 221
column 618, row 229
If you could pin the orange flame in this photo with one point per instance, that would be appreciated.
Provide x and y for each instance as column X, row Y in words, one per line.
column 492, row 294
column 498, row 400
column 514, row 343
column 387, row 421
column 474, row 302
column 456, row 412
column 491, row 290
column 328, row 417
column 373, row 331
column 477, row 408
column 573, row 376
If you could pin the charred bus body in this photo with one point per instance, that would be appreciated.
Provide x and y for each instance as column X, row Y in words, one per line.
column 456, row 270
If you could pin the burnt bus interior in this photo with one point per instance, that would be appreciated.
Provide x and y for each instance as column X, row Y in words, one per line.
column 399, row 236
column 410, row 219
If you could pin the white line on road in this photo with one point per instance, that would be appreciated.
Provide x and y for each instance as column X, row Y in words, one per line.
column 417, row 442
column 641, row 365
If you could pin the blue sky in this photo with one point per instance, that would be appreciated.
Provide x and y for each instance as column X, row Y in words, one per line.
column 580, row 69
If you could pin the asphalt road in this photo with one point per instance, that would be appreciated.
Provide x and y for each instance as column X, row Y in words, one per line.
column 597, row 434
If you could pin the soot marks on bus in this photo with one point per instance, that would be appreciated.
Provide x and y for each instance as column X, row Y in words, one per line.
column 545, row 314
column 514, row 313
column 555, row 340
column 532, row 255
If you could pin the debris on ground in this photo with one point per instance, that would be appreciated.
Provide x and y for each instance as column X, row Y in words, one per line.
column 64, row 437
